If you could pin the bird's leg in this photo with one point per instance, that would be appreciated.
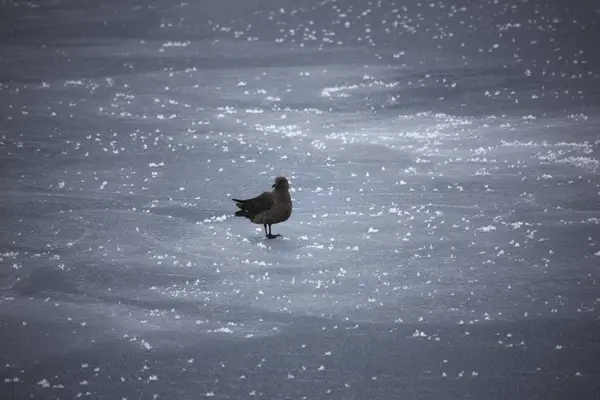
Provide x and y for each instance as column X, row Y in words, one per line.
column 270, row 235
column 266, row 234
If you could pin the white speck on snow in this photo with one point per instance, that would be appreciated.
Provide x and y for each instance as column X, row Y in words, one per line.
column 44, row 383
column 223, row 330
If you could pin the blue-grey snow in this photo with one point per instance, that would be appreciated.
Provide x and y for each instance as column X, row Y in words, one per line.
column 444, row 161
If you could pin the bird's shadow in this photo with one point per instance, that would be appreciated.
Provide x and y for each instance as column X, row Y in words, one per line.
column 188, row 213
column 281, row 242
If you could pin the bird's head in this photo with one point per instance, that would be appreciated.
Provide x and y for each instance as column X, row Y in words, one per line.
column 281, row 183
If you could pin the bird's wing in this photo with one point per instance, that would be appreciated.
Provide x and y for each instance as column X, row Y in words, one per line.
column 258, row 204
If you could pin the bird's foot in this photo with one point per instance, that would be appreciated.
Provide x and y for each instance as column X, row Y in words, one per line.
column 269, row 236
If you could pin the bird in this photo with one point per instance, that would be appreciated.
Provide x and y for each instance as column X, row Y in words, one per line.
column 268, row 208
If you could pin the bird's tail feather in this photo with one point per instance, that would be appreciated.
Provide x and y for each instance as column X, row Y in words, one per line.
column 240, row 203
column 243, row 213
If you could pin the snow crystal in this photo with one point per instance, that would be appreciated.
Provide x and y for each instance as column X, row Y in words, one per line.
column 176, row 44
column 223, row 330
column 44, row 383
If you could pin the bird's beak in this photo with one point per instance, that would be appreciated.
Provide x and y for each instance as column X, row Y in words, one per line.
column 273, row 186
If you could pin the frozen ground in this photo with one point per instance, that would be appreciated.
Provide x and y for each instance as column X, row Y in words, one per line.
column 444, row 156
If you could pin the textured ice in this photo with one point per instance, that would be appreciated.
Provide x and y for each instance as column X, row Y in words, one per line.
column 444, row 164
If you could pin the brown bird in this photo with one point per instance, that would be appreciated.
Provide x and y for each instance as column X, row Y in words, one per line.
column 268, row 208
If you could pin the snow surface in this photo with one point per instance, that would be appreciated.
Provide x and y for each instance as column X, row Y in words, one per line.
column 444, row 159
